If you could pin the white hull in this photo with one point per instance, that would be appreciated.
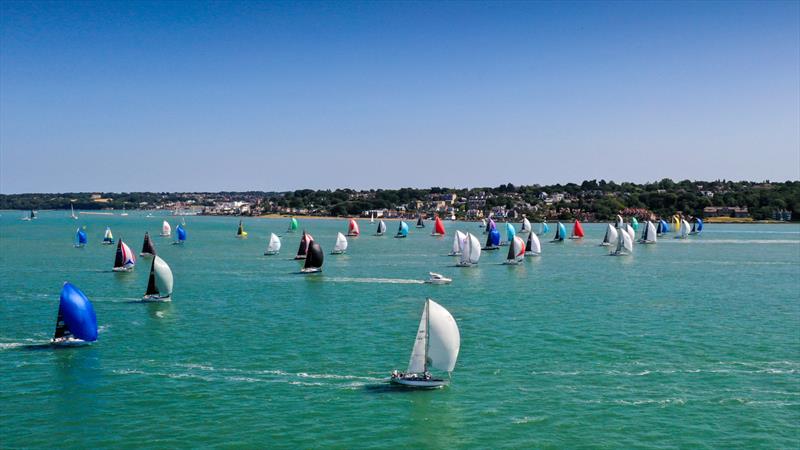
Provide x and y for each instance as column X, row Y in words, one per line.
column 270, row 253
column 122, row 269
column 605, row 244
column 575, row 237
column 379, row 234
column 619, row 254
column 337, row 252
column 464, row 265
column 432, row 383
column 647, row 242
column 108, row 243
column 165, row 235
column 69, row 342
column 311, row 270
column 157, row 298
column 177, row 243
column 147, row 255
column 531, row 254
column 352, row 235
column 300, row 257
column 400, row 237
column 454, row 254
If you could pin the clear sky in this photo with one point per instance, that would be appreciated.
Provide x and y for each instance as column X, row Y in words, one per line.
column 194, row 96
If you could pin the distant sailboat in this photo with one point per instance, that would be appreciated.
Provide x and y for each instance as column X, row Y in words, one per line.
column 684, row 230
column 108, row 238
column 635, row 224
column 148, row 249
column 402, row 230
column 610, row 238
column 166, row 229
column 470, row 251
column 240, row 233
column 620, row 222
column 340, row 246
column 490, row 225
column 543, row 229
column 438, row 227
column 483, row 223
column 274, row 246
column 352, row 228
column 381, row 228
column 577, row 230
column 561, row 233
column 649, row 234
column 676, row 223
column 159, row 284
column 516, row 251
column 72, row 212
column 510, row 233
column 76, row 323
column 533, row 247
column 305, row 241
column 372, row 218
column 624, row 245
column 80, row 238
column 420, row 223
column 437, row 344
column 124, row 260
column 33, row 215
column 663, row 227
column 181, row 232
column 314, row 259
column 526, row 226
column 292, row 225
column 458, row 243
column 492, row 240
column 697, row 226
column 629, row 229
column 124, row 213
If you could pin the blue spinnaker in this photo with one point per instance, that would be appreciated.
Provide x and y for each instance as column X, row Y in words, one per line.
column 664, row 226
column 562, row 231
column 699, row 225
column 494, row 237
column 78, row 313
column 403, row 229
column 181, row 233
column 81, row 236
column 545, row 228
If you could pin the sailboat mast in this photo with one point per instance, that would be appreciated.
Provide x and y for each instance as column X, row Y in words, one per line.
column 427, row 333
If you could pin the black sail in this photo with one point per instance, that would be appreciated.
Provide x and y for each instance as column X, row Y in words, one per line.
column 240, row 231
column 147, row 245
column 62, row 331
column 529, row 244
column 119, row 260
column 488, row 240
column 301, row 252
column 152, row 289
column 314, row 257
column 511, row 254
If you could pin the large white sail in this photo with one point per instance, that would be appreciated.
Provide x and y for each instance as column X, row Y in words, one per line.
column 274, row 245
column 474, row 253
column 536, row 245
column 417, row 362
column 685, row 228
column 631, row 231
column 444, row 340
column 163, row 276
column 650, row 233
column 611, row 235
column 341, row 243
column 458, row 242
column 526, row 226
column 166, row 230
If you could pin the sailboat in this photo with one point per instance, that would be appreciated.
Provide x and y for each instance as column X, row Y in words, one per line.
column 314, row 259
column 624, row 245
column 526, row 226
column 620, row 222
column 510, row 233
column 543, row 228
column 124, row 260
column 438, row 227
column 458, row 243
column 663, row 227
column 108, row 238
column 697, row 226
column 340, row 246
column 533, row 247
column 274, row 246
column 561, row 233
column 148, row 249
column 516, row 251
column 436, row 345
column 124, row 213
column 629, row 229
column 420, row 223
column 80, row 238
column 166, row 230
column 402, row 230
column 181, row 232
column 684, row 229
column 649, row 234
column 352, row 228
column 492, row 240
column 577, row 230
column 372, row 218
column 676, row 223
column 159, row 284
column 635, row 224
column 33, row 215
column 381, row 228
column 76, row 323
column 72, row 212
column 483, row 223
column 305, row 241
column 470, row 251
column 490, row 225
column 240, row 233
column 292, row 225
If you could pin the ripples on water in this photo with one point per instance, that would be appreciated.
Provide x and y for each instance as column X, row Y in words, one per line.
column 687, row 344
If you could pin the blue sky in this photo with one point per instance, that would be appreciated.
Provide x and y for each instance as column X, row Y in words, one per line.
column 187, row 96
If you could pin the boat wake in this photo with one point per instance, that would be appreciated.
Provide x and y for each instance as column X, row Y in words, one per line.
column 374, row 280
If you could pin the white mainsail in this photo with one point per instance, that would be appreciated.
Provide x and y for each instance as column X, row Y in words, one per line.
column 685, row 228
column 631, row 231
column 471, row 252
column 163, row 276
column 624, row 244
column 274, row 245
column 341, row 244
column 166, row 230
column 438, row 340
column 417, row 362
column 536, row 245
column 611, row 235
column 650, row 234
column 458, row 242
column 526, row 226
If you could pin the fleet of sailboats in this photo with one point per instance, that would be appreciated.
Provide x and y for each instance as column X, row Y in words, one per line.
column 436, row 346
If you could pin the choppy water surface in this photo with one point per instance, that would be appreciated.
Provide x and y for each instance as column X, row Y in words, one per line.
column 688, row 343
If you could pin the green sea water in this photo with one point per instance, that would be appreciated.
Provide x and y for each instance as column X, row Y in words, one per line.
column 692, row 344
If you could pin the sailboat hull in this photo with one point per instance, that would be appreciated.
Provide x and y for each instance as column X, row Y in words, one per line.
column 311, row 270
column 146, row 254
column 157, row 298
column 531, row 254
column 270, row 253
column 338, row 252
column 108, row 242
column 68, row 342
column 419, row 382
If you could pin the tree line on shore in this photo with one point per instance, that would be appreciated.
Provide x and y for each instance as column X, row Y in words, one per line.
column 601, row 199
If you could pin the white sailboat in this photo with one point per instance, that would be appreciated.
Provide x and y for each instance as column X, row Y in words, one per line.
column 274, row 246
column 649, row 234
column 458, row 243
column 470, row 251
column 685, row 229
column 166, row 230
column 526, row 226
column 72, row 212
column 437, row 344
column 533, row 247
column 372, row 218
column 381, row 228
column 159, row 285
column 624, row 245
column 611, row 236
column 631, row 232
column 340, row 246
column 516, row 251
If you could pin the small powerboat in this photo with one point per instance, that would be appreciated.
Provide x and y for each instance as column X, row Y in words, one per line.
column 437, row 278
